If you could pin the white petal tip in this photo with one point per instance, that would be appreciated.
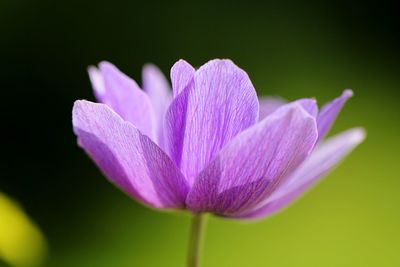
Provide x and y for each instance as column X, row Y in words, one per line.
column 149, row 67
column 181, row 60
column 358, row 135
column 79, row 105
column 106, row 66
column 347, row 93
column 91, row 68
column 96, row 78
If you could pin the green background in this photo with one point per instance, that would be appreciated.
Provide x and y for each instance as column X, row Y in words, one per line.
column 292, row 49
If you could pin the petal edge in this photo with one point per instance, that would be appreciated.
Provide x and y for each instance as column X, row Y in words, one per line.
column 128, row 158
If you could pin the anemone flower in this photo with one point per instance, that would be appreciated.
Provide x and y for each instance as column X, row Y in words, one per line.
column 210, row 146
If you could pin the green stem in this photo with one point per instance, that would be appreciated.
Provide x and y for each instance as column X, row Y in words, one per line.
column 196, row 238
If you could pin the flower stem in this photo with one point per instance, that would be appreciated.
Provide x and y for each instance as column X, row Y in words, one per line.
column 196, row 238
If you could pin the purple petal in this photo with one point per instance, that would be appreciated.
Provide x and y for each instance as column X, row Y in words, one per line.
column 124, row 96
column 329, row 112
column 157, row 88
column 182, row 74
column 326, row 156
column 219, row 103
column 96, row 78
column 310, row 105
column 128, row 158
column 269, row 104
column 258, row 160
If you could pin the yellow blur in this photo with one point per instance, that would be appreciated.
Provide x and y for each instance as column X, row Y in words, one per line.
column 21, row 242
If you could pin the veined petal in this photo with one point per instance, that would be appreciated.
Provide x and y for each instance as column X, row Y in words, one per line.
column 182, row 74
column 219, row 103
column 250, row 167
column 329, row 112
column 269, row 104
column 157, row 88
column 325, row 157
column 124, row 96
column 128, row 158
column 310, row 105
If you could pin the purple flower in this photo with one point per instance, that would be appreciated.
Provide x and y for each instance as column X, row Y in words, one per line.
column 211, row 145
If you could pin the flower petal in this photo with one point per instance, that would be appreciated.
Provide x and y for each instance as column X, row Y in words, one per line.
column 310, row 105
column 329, row 112
column 182, row 74
column 326, row 156
column 158, row 89
column 258, row 160
column 124, row 96
column 128, row 158
column 218, row 103
column 96, row 78
column 269, row 104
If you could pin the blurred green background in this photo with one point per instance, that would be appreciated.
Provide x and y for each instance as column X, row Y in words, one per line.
column 293, row 49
